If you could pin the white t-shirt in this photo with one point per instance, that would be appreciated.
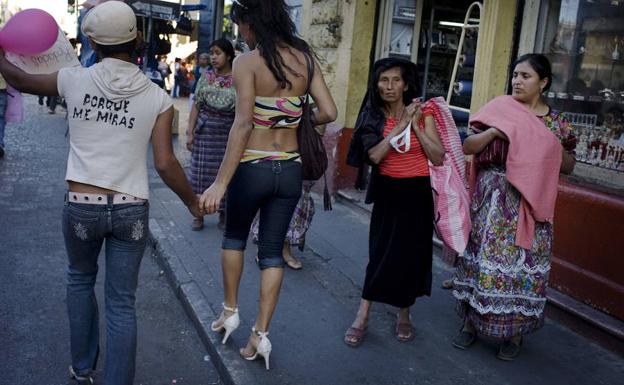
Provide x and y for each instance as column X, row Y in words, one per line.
column 112, row 107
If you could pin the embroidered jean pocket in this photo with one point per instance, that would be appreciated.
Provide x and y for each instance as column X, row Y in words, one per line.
column 80, row 223
column 131, row 223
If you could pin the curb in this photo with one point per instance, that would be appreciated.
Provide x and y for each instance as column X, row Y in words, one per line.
column 227, row 362
column 199, row 308
column 595, row 318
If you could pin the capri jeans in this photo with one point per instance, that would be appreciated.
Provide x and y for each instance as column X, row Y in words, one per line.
column 274, row 188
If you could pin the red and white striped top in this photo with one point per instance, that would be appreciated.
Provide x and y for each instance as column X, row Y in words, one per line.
column 411, row 164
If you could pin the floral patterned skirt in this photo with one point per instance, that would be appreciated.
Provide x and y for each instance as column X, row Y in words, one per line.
column 501, row 288
column 301, row 219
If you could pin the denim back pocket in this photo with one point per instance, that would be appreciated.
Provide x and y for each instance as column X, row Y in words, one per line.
column 130, row 222
column 80, row 222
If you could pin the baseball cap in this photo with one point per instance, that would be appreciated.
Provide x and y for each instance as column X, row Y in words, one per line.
column 110, row 23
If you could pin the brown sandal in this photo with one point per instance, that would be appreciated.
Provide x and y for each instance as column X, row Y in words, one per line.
column 354, row 336
column 447, row 284
column 404, row 332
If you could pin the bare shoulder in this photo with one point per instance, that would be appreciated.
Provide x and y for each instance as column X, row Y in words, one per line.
column 247, row 60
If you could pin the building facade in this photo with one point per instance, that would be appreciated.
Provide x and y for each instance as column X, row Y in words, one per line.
column 584, row 39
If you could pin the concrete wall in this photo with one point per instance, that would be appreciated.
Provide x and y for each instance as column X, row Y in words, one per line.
column 341, row 32
column 494, row 48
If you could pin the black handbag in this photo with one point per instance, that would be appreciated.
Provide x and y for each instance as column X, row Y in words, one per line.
column 311, row 148
column 162, row 46
column 184, row 25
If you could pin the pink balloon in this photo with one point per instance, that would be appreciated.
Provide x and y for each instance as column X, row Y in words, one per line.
column 29, row 32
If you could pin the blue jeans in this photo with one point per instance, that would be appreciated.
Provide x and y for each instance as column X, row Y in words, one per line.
column 3, row 105
column 125, row 229
column 51, row 102
column 175, row 90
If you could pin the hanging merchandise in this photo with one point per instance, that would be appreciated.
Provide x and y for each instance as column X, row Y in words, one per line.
column 162, row 45
column 184, row 25
column 463, row 87
column 163, row 27
column 467, row 60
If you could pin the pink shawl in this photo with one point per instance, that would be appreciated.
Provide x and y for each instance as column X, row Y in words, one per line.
column 533, row 162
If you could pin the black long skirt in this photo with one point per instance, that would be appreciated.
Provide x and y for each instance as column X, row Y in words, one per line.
column 400, row 247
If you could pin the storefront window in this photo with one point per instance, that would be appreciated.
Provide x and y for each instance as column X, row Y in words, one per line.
column 428, row 33
column 584, row 39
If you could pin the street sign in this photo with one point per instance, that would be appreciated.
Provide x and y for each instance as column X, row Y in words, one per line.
column 156, row 9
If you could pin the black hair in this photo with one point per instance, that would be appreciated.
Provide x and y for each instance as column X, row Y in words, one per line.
column 409, row 74
column 270, row 21
column 540, row 64
column 224, row 45
column 111, row 50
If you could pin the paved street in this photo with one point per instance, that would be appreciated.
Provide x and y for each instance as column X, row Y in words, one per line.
column 319, row 302
column 33, row 323
column 316, row 306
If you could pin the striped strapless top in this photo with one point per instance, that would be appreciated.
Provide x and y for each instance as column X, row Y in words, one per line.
column 277, row 112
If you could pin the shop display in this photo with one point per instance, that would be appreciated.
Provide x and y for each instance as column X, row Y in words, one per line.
column 428, row 32
column 585, row 42
column 463, row 87
column 438, row 57
column 402, row 29
column 599, row 145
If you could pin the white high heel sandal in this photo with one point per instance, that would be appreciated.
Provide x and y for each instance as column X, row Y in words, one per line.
column 263, row 349
column 230, row 324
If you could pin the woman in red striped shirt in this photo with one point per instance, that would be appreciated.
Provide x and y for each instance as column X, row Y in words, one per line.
column 401, row 228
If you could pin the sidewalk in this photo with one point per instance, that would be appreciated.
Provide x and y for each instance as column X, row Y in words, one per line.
column 319, row 302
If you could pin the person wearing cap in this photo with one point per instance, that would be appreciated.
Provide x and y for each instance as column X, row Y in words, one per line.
column 114, row 111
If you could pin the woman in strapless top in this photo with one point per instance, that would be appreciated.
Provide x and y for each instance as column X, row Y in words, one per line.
column 261, row 169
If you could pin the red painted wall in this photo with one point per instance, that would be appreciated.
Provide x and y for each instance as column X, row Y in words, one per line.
column 588, row 255
column 345, row 174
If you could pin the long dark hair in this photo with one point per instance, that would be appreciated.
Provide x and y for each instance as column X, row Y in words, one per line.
column 371, row 113
column 226, row 46
column 540, row 64
column 270, row 21
column 409, row 73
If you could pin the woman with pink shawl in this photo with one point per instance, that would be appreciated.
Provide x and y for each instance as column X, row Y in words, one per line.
column 520, row 146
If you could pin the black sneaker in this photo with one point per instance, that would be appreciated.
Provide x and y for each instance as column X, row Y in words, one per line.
column 83, row 379
column 1, row 152
column 464, row 339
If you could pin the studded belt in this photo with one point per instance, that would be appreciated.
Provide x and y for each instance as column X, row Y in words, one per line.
column 101, row 199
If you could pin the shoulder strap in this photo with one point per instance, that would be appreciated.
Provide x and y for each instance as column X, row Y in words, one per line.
column 310, row 67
